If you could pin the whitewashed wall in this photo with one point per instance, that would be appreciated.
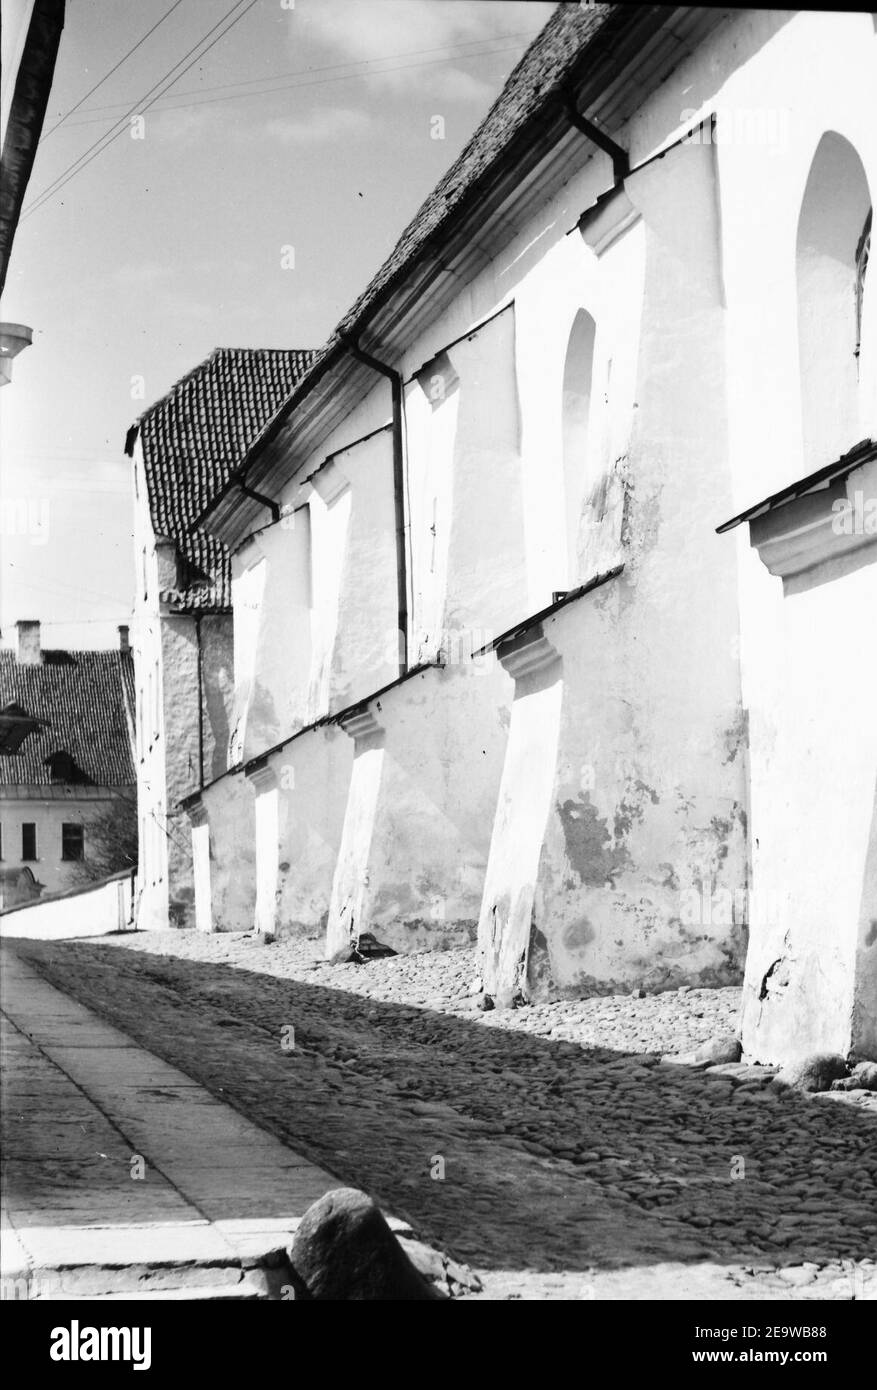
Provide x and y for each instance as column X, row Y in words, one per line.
column 184, row 699
column 809, row 657
column 89, row 911
column 639, row 389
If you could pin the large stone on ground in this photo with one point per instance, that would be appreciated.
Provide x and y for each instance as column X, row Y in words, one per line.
column 358, row 951
column 345, row 1251
column 813, row 1073
column 743, row 1073
column 862, row 1078
column 715, row 1050
column 865, row 1075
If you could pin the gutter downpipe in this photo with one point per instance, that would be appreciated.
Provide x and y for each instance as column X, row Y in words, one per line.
column 619, row 157
column 200, row 702
column 272, row 506
column 395, row 380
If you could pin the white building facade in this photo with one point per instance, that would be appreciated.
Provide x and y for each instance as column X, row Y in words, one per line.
column 496, row 675
column 72, row 776
column 183, row 449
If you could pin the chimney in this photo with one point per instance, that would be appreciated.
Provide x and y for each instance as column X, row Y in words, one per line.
column 124, row 643
column 28, row 642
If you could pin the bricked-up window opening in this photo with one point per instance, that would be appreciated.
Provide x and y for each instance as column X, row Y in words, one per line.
column 72, row 841
column 830, row 255
column 28, row 841
column 863, row 251
column 578, row 370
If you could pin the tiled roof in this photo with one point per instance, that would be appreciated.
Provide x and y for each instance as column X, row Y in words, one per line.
column 193, row 438
column 84, row 697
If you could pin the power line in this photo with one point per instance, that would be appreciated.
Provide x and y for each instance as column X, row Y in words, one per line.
column 232, row 87
column 143, row 104
column 82, row 590
column 81, row 622
column 113, row 69
column 323, row 81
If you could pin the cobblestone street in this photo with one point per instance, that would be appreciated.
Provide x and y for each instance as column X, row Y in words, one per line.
column 553, row 1149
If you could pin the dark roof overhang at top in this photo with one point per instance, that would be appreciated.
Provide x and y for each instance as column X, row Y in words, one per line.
column 27, row 112
column 864, row 452
column 598, row 59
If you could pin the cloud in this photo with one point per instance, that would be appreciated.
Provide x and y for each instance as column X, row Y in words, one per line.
column 331, row 124
column 408, row 42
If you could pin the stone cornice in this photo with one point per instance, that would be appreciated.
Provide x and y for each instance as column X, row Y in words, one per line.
column 329, row 481
column 604, row 223
column 528, row 652
column 262, row 778
column 827, row 525
column 197, row 812
column 360, row 723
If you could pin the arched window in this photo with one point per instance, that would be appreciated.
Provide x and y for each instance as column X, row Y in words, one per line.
column 577, row 374
column 863, row 251
column 831, row 260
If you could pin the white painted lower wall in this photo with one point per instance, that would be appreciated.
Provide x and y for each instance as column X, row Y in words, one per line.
column 622, row 807
column 426, row 770
column 314, row 777
column 93, row 911
column 230, row 813
column 811, row 667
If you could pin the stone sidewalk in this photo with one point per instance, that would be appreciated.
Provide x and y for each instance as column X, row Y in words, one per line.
column 123, row 1175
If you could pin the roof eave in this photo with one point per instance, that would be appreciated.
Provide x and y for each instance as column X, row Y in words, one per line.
column 863, row 452
column 33, row 83
column 385, row 320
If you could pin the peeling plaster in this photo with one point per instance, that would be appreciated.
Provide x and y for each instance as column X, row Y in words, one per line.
column 589, row 844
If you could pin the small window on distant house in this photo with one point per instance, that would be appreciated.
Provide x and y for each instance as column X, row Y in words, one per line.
column 28, row 840
column 72, row 841
column 61, row 766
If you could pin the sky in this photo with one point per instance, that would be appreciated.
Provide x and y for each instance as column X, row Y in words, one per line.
column 309, row 124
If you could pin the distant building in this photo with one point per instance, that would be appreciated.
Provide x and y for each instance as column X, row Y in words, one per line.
column 184, row 449
column 71, row 777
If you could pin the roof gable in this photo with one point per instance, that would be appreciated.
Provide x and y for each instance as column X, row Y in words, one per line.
column 192, row 440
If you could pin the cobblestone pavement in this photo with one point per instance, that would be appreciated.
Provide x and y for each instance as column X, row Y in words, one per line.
column 550, row 1148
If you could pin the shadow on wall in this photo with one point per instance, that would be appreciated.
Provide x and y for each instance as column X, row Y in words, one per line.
column 554, row 1156
column 865, row 997
column 219, row 702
